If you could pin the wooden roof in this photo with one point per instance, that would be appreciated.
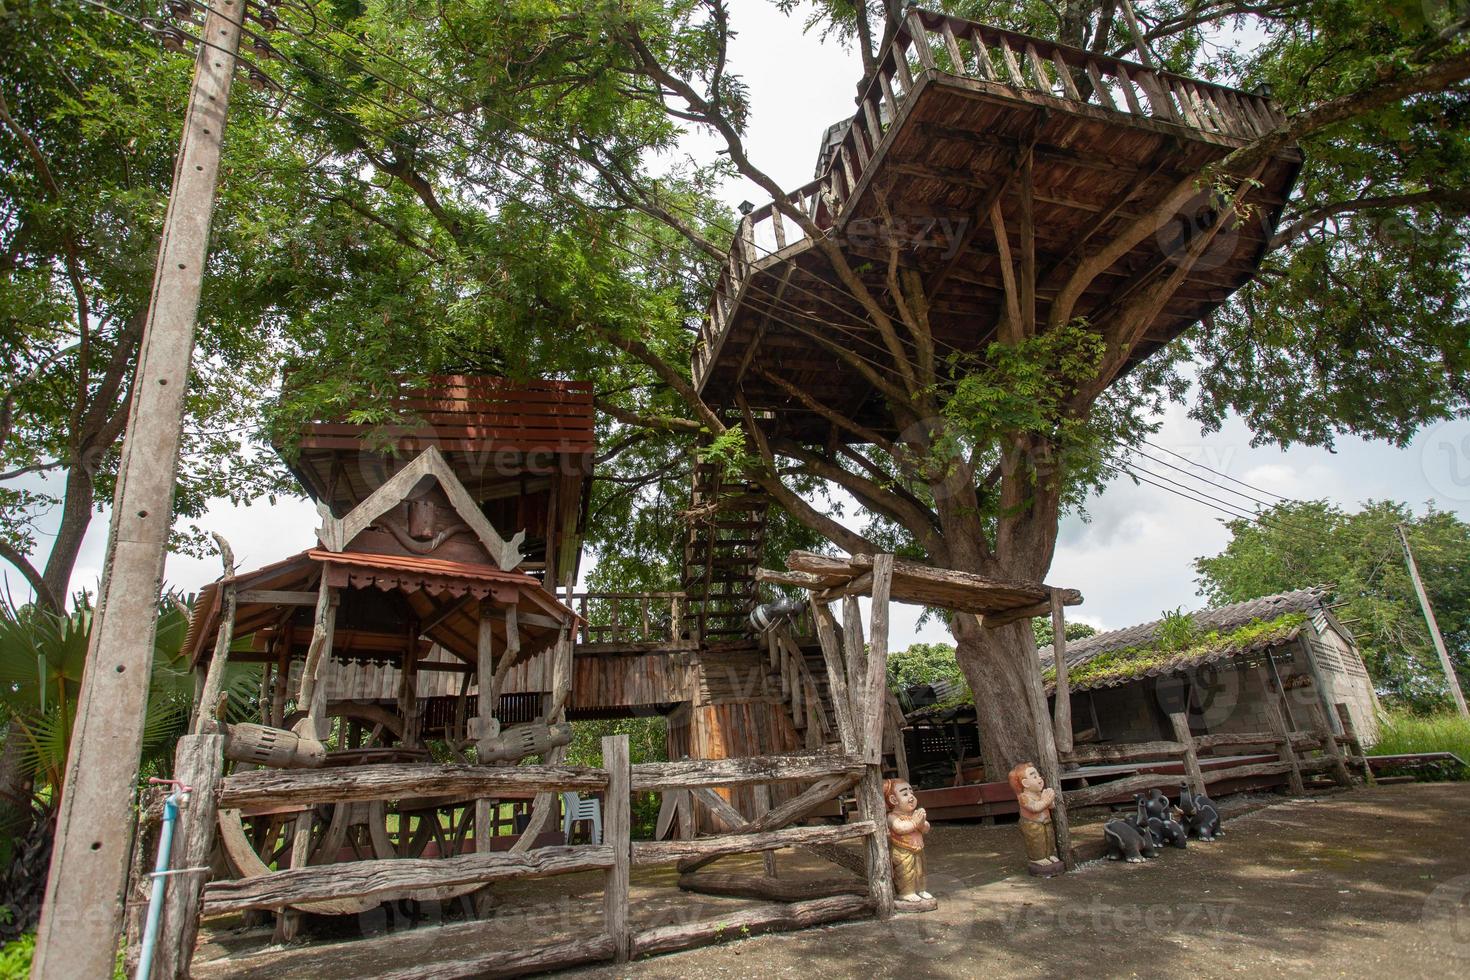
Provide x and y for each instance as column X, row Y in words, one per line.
column 522, row 450
column 383, row 599
column 999, row 601
column 939, row 143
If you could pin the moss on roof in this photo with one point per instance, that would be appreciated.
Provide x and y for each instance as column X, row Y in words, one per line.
column 1127, row 663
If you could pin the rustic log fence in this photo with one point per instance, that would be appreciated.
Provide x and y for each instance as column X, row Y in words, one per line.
column 1186, row 750
column 387, row 879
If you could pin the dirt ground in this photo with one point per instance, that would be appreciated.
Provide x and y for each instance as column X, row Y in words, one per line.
column 1371, row 881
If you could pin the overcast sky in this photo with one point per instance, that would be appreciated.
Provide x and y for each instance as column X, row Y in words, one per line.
column 1131, row 560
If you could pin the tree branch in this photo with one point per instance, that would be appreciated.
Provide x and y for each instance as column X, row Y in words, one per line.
column 22, row 564
column 1458, row 200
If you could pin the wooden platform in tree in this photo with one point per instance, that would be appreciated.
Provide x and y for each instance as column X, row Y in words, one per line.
column 960, row 117
column 998, row 600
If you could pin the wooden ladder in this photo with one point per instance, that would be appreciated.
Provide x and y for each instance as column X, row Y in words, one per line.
column 727, row 533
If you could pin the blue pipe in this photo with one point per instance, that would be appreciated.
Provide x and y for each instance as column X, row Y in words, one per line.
column 160, row 882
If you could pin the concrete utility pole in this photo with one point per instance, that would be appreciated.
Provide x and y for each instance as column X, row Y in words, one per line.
column 82, row 915
column 1444, row 655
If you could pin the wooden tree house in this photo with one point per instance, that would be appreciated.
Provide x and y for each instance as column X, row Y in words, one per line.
column 445, row 541
column 962, row 127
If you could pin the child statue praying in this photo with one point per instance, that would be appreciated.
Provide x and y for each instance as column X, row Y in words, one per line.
column 1035, row 800
column 907, row 825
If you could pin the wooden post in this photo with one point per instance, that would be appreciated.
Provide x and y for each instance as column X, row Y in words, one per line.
column 1274, row 718
column 486, row 698
column 857, row 669
column 82, row 913
column 1180, row 722
column 1444, row 657
column 1139, row 44
column 875, row 686
column 880, row 872
column 870, row 707
column 836, row 675
column 408, row 696
column 762, row 794
column 1350, row 734
column 1047, row 764
column 617, row 820
column 545, row 804
column 1063, row 714
column 214, row 675
column 312, row 694
column 199, row 764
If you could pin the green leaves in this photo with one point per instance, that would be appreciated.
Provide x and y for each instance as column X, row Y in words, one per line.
column 1295, row 545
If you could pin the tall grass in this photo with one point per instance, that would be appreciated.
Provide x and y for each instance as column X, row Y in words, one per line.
column 1403, row 732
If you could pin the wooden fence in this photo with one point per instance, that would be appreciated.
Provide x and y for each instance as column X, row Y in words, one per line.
column 829, row 773
column 633, row 620
column 1292, row 762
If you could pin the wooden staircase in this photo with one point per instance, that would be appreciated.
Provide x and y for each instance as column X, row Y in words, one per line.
column 727, row 533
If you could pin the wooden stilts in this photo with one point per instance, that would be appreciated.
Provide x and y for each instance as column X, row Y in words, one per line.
column 1278, row 727
column 1063, row 712
column 198, row 764
column 617, row 829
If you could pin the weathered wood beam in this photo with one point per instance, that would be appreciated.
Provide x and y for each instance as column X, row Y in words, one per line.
column 664, row 852
column 768, row 888
column 1124, row 752
column 652, row 777
column 397, row 875
column 391, row 781
column 1180, row 722
column 777, row 817
column 765, row 918
column 273, row 597
column 1063, row 713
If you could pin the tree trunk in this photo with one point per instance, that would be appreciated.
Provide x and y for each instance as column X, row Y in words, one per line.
column 76, row 516
column 996, row 663
column 15, row 781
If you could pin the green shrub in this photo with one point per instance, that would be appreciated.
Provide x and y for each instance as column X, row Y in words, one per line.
column 1403, row 732
column 15, row 957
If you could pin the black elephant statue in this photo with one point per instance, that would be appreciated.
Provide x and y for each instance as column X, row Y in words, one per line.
column 1140, row 822
column 1201, row 816
column 1125, row 843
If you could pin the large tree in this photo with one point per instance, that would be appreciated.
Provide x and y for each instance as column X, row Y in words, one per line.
column 518, row 143
column 1302, row 544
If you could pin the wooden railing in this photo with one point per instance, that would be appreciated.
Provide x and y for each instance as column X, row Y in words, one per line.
column 1290, row 748
column 1029, row 67
column 632, row 618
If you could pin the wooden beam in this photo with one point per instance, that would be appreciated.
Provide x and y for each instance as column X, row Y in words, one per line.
column 1180, row 722
column 781, row 816
column 664, row 852
column 1124, row 752
column 391, row 781
column 272, row 597
column 1278, row 727
column 653, row 777
column 836, row 676
column 764, row 918
column 397, row 876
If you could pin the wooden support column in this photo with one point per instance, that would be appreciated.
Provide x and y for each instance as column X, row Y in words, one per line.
column 408, row 696
column 617, row 819
column 1048, row 764
column 485, row 702
column 199, row 762
column 857, row 668
column 282, row 680
column 1063, row 715
column 836, row 674
column 869, row 709
column 875, row 685
column 762, row 794
column 1277, row 723
column 214, row 675
column 544, row 807
column 1180, row 722
column 315, row 673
